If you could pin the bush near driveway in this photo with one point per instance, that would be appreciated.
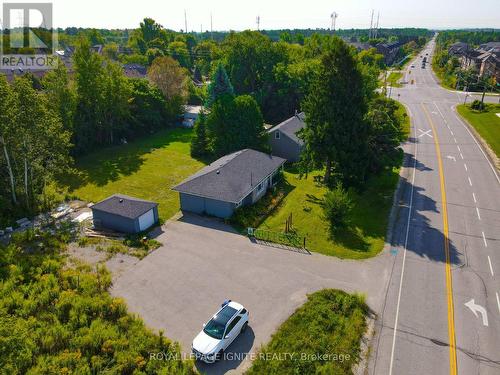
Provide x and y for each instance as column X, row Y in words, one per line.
column 321, row 337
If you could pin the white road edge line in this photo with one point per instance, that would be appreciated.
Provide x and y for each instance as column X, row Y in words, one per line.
column 478, row 145
column 396, row 319
column 470, row 181
column 474, row 197
column 484, row 239
column 498, row 303
column 491, row 267
column 478, row 215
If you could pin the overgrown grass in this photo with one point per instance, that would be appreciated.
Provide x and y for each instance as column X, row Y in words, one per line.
column 330, row 324
column 57, row 317
column 486, row 122
column 133, row 246
column 365, row 236
column 146, row 168
column 393, row 79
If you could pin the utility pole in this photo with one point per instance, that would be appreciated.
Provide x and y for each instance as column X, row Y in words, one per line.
column 258, row 23
column 334, row 21
column 370, row 35
column 185, row 22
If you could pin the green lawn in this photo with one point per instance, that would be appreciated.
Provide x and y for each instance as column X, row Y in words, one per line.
column 486, row 123
column 393, row 79
column 330, row 324
column 146, row 168
column 365, row 236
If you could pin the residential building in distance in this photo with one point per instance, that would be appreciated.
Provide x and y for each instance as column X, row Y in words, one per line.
column 485, row 59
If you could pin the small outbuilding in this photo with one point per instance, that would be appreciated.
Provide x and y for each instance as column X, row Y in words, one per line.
column 235, row 180
column 125, row 214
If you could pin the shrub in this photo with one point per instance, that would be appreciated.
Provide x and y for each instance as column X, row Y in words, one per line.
column 477, row 105
column 336, row 208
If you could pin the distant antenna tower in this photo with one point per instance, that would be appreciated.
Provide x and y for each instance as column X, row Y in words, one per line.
column 258, row 23
column 378, row 19
column 370, row 35
column 334, row 16
column 185, row 22
column 211, row 27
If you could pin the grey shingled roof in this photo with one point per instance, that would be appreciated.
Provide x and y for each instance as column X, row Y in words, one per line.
column 291, row 127
column 125, row 206
column 232, row 177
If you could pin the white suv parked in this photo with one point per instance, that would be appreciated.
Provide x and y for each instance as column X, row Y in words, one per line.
column 219, row 332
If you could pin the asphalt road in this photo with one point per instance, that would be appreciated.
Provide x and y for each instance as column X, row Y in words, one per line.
column 442, row 308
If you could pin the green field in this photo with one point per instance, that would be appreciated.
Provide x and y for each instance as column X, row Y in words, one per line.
column 365, row 236
column 146, row 168
column 330, row 324
column 486, row 123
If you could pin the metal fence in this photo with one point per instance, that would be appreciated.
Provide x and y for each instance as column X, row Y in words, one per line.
column 287, row 239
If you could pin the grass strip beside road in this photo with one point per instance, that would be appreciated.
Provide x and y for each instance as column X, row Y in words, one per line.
column 394, row 78
column 486, row 123
column 321, row 337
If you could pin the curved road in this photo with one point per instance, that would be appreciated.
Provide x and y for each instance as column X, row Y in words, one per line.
column 442, row 308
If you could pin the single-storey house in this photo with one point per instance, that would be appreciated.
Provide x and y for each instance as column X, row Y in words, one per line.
column 125, row 214
column 283, row 138
column 235, row 180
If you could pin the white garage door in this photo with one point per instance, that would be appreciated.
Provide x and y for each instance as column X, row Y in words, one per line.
column 146, row 220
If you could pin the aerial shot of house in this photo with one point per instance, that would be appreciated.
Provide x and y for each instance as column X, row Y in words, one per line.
column 235, row 180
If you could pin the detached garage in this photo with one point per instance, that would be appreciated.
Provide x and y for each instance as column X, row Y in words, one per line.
column 125, row 214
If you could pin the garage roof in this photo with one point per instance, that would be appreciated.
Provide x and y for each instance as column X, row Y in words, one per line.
column 125, row 206
column 232, row 177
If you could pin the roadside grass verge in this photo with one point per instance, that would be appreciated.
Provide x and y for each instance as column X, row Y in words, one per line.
column 393, row 79
column 321, row 337
column 405, row 119
column 146, row 168
column 486, row 122
column 365, row 236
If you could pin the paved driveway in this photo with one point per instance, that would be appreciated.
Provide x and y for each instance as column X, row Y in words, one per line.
column 203, row 262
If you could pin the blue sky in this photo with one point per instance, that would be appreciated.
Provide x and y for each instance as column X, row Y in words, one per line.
column 240, row 15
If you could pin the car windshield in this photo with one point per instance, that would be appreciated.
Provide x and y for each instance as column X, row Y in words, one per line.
column 216, row 326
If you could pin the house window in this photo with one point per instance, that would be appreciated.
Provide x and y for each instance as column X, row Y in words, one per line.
column 277, row 134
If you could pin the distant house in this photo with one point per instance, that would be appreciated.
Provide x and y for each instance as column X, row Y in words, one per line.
column 283, row 138
column 125, row 214
column 389, row 50
column 191, row 113
column 458, row 49
column 235, row 180
column 135, row 70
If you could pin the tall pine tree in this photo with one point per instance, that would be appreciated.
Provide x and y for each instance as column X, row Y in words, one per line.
column 336, row 135
column 220, row 85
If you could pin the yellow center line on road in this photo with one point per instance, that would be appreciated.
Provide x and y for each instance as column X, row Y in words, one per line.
column 449, row 283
